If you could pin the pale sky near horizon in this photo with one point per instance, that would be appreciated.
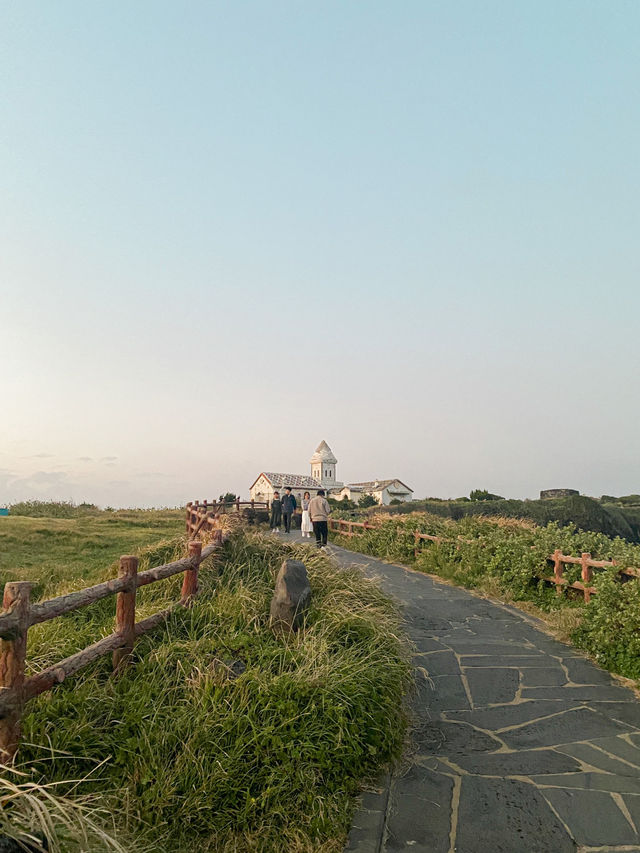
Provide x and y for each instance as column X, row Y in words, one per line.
column 232, row 230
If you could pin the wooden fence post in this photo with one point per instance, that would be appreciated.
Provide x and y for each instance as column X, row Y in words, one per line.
column 558, row 568
column 587, row 576
column 238, row 505
column 13, row 652
column 188, row 525
column 126, row 612
column 190, row 581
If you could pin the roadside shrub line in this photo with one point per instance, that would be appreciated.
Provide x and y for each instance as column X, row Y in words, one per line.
column 511, row 557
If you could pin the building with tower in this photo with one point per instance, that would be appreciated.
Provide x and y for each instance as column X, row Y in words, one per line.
column 323, row 476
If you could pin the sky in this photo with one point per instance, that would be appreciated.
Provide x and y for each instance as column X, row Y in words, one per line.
column 231, row 230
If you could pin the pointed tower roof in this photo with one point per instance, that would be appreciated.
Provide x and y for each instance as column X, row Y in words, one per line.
column 323, row 454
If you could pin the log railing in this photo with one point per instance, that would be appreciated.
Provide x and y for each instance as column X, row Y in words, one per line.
column 559, row 560
column 18, row 615
column 201, row 515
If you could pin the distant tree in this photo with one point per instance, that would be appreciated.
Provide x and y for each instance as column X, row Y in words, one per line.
column 395, row 502
column 484, row 495
column 367, row 501
column 228, row 498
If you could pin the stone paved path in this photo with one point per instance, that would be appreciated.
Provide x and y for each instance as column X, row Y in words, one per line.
column 519, row 744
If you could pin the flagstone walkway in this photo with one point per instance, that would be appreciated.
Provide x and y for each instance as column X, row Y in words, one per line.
column 519, row 744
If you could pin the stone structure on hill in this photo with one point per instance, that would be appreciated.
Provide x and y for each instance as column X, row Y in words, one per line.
column 323, row 476
column 548, row 494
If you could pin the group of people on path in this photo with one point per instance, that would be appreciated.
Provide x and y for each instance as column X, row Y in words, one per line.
column 315, row 514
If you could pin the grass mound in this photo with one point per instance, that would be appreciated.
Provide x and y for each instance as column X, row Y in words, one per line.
column 223, row 736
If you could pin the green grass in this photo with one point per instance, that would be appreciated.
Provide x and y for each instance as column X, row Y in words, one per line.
column 65, row 553
column 221, row 736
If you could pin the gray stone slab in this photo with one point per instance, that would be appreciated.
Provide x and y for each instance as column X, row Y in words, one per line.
column 440, row 663
column 598, row 693
column 520, row 661
column 582, row 671
column 525, row 763
column 632, row 802
column 592, row 781
column 594, row 757
column 593, row 817
column 552, row 677
column 626, row 712
column 507, row 816
column 493, row 686
column 494, row 719
column 471, row 646
column 581, row 723
column 430, row 644
column 441, row 693
column 419, row 817
column 620, row 747
column 439, row 737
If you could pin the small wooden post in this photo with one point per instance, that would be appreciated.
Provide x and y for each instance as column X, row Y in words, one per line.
column 558, row 568
column 587, row 576
column 126, row 612
column 253, row 503
column 188, row 525
column 238, row 505
column 416, row 542
column 190, row 580
column 12, row 657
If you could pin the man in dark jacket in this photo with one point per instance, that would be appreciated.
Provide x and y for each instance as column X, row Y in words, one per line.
column 289, row 505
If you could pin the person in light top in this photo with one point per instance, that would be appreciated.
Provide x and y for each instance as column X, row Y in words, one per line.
column 306, row 526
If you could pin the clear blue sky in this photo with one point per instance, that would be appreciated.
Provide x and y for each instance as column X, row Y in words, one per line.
column 230, row 230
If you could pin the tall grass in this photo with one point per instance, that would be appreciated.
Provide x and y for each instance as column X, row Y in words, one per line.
column 224, row 736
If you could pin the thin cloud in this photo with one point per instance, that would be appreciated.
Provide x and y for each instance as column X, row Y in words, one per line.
column 85, row 459
column 108, row 459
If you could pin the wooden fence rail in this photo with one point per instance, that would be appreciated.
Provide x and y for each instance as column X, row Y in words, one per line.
column 202, row 514
column 18, row 615
column 559, row 560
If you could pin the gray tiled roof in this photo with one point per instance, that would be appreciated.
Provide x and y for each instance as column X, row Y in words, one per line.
column 378, row 485
column 296, row 481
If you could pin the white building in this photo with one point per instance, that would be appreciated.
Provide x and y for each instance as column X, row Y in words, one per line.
column 323, row 476
column 384, row 491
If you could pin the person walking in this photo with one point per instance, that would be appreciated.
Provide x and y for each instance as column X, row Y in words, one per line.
column 276, row 513
column 319, row 510
column 306, row 525
column 289, row 505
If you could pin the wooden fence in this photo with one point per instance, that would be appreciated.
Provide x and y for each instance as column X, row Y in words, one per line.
column 201, row 515
column 558, row 559
column 19, row 614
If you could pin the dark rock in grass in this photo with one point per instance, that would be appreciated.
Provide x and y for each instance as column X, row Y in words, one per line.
column 291, row 597
column 10, row 845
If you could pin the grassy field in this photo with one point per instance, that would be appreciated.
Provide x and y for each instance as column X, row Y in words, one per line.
column 222, row 736
column 57, row 553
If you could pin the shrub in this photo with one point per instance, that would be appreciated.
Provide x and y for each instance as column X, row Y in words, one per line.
column 366, row 501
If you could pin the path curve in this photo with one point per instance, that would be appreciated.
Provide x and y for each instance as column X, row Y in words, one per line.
column 519, row 743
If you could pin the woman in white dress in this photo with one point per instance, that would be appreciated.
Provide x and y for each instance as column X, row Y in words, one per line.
column 306, row 526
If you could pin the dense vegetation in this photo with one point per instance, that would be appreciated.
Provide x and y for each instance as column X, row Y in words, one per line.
column 507, row 557
column 222, row 736
column 586, row 513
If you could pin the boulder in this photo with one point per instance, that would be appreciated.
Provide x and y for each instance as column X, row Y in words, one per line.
column 291, row 597
column 10, row 845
